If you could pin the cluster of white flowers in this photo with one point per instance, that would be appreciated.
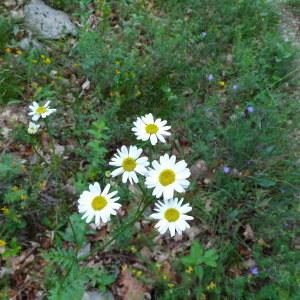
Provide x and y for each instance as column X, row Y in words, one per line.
column 37, row 112
column 165, row 177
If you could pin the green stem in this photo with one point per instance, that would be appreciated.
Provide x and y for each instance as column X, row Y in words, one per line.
column 55, row 163
column 124, row 227
column 39, row 155
column 53, row 154
column 74, row 235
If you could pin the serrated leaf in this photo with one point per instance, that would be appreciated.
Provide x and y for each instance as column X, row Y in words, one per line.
column 196, row 250
column 77, row 232
column 210, row 257
column 189, row 261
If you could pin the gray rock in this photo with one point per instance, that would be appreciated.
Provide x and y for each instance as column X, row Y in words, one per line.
column 84, row 251
column 199, row 169
column 46, row 21
column 94, row 295
column 29, row 43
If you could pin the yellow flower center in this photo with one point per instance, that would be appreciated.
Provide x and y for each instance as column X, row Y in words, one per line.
column 99, row 202
column 128, row 164
column 172, row 215
column 151, row 128
column 41, row 110
column 167, row 177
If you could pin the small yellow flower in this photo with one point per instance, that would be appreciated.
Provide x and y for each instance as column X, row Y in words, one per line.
column 5, row 211
column 171, row 285
column 189, row 270
column 42, row 185
column 222, row 83
column 15, row 188
column 19, row 52
column 34, row 85
column 8, row 50
column 157, row 265
column 42, row 56
column 2, row 243
column 47, row 61
column 138, row 273
column 138, row 93
column 24, row 197
column 118, row 72
column 211, row 286
column 133, row 249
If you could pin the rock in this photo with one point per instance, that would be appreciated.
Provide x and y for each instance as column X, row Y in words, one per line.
column 46, row 21
column 199, row 169
column 94, row 295
column 193, row 232
column 17, row 14
column 84, row 251
column 28, row 43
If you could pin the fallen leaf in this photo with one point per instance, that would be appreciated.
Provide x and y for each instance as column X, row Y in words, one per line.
column 129, row 288
column 248, row 233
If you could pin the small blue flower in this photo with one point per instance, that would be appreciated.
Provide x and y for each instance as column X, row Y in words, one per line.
column 203, row 34
column 254, row 271
column 210, row 77
column 226, row 169
column 235, row 87
column 250, row 109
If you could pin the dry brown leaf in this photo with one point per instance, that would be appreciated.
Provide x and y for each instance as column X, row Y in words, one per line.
column 167, row 271
column 129, row 288
column 248, row 233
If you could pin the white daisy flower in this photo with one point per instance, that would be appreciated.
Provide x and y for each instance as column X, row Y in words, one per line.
column 33, row 128
column 40, row 111
column 172, row 215
column 167, row 176
column 129, row 163
column 101, row 205
column 146, row 128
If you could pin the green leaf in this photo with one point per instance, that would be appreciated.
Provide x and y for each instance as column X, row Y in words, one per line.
column 196, row 249
column 265, row 182
column 189, row 261
column 210, row 258
column 199, row 272
column 77, row 232
column 195, row 255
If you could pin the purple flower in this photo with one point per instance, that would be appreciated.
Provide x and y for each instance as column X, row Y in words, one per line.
column 226, row 169
column 235, row 87
column 210, row 77
column 203, row 34
column 250, row 109
column 254, row 271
